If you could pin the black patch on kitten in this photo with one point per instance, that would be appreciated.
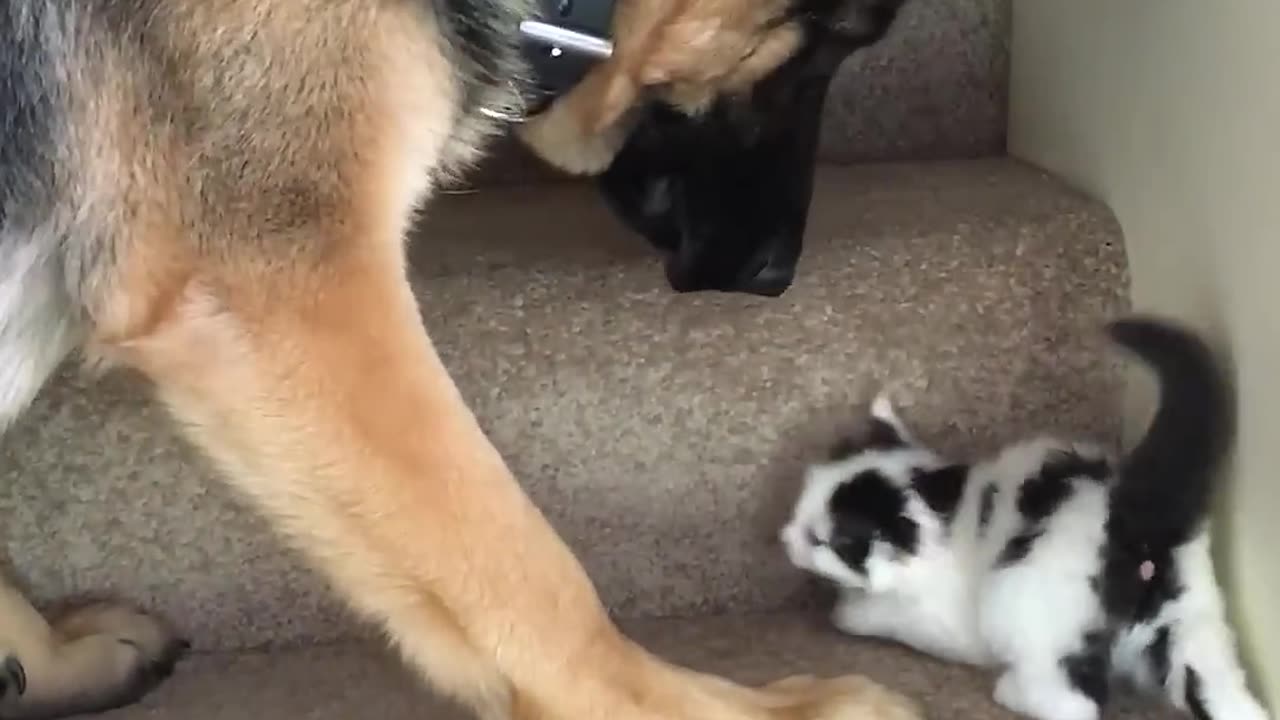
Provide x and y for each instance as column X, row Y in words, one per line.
column 987, row 506
column 1125, row 595
column 869, row 507
column 883, row 436
column 1040, row 497
column 1195, row 696
column 1089, row 669
column 1018, row 548
column 1165, row 587
column 1166, row 483
column 1158, row 656
column 941, row 489
column 852, row 547
column 1069, row 465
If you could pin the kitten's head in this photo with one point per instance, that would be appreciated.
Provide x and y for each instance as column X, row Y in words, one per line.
column 859, row 521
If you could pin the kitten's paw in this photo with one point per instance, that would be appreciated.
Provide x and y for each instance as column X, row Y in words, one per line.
column 852, row 617
column 13, row 677
column 1047, row 701
column 1008, row 693
column 799, row 551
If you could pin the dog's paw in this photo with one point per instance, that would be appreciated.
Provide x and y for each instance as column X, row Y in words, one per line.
column 154, row 641
column 146, row 667
column 13, row 677
column 108, row 655
column 137, row 648
column 849, row 697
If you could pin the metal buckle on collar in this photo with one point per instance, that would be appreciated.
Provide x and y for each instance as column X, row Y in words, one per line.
column 561, row 47
column 559, row 39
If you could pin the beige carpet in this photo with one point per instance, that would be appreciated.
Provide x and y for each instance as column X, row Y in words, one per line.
column 363, row 682
column 660, row 432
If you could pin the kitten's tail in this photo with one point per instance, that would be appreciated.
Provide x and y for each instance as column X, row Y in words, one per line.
column 1166, row 482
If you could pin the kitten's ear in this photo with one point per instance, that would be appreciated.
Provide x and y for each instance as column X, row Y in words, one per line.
column 886, row 425
column 883, row 432
column 884, row 435
column 845, row 448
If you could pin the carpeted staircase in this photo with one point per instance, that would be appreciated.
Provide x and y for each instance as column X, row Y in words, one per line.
column 661, row 433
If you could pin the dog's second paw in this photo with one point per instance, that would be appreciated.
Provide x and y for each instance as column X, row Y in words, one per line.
column 850, row 697
column 148, row 667
column 111, row 655
column 13, row 677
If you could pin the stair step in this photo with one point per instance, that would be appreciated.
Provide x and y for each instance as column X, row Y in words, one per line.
column 660, row 432
column 341, row 682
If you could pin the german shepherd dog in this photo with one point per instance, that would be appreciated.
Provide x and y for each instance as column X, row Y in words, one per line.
column 215, row 194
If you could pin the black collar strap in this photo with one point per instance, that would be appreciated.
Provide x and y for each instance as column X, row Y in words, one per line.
column 563, row 44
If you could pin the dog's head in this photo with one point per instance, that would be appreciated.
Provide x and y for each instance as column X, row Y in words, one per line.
column 703, row 128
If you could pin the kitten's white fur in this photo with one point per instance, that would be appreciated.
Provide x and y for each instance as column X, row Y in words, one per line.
column 952, row 600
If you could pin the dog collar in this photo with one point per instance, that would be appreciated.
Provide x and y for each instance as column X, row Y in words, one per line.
column 561, row 46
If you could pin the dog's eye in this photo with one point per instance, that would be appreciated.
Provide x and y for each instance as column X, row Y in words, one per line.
column 814, row 540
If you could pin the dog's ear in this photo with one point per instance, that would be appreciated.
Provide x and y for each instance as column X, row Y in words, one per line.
column 686, row 52
column 579, row 133
column 707, row 48
column 683, row 52
column 611, row 96
column 619, row 81
column 583, row 130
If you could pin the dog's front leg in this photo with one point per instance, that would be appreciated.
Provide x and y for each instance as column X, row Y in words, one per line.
column 320, row 395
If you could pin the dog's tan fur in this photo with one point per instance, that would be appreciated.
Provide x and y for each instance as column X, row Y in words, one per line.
column 253, row 201
column 685, row 52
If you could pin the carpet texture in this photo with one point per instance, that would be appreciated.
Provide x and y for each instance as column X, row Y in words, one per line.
column 661, row 433
column 354, row 682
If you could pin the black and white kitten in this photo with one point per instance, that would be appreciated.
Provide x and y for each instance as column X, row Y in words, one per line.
column 1050, row 560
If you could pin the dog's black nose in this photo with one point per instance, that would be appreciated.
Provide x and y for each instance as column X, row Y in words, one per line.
column 771, row 280
column 696, row 275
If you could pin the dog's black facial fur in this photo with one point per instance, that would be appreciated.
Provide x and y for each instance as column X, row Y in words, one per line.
column 726, row 195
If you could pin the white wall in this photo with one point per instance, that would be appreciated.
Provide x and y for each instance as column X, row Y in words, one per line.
column 1169, row 111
